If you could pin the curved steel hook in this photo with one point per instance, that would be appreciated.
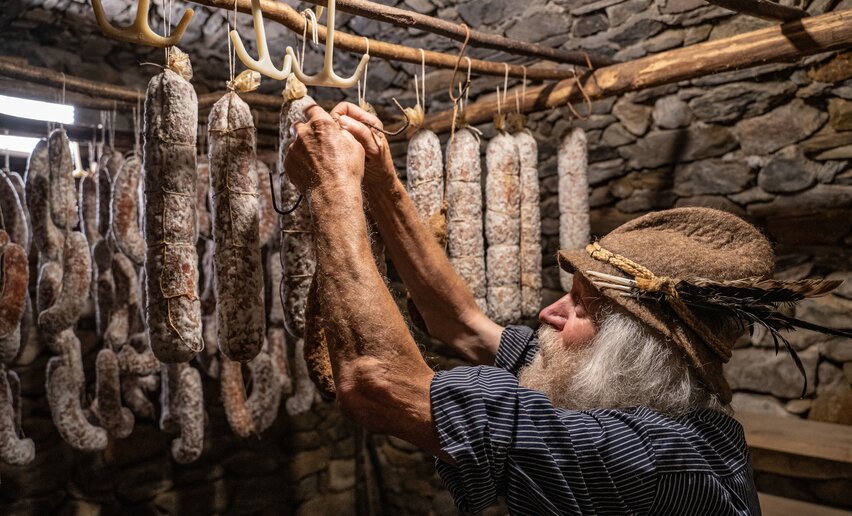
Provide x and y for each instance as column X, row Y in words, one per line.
column 275, row 206
column 327, row 77
column 139, row 32
column 263, row 63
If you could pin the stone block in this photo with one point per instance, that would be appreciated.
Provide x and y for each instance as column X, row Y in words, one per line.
column 634, row 117
column 788, row 171
column 840, row 114
column 717, row 202
column 308, row 462
column 758, row 404
column 814, row 200
column 713, row 176
column 730, row 102
column 761, row 370
column 664, row 147
column 774, row 130
column 671, row 112
column 834, row 405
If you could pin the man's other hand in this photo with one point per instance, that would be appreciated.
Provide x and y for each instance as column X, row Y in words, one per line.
column 379, row 170
column 323, row 153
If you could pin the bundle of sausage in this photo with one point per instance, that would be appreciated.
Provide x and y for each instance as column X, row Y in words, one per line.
column 572, row 166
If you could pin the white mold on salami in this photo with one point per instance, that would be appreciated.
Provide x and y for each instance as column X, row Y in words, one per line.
column 202, row 197
column 465, row 245
column 109, row 164
column 572, row 166
column 238, row 266
column 88, row 205
column 530, row 225
column 47, row 238
column 173, row 310
column 503, row 228
column 63, row 194
column 276, row 348
column 13, row 449
column 190, row 417
column 267, row 217
column 265, row 397
column 14, row 271
column 233, row 392
column 425, row 177
column 117, row 420
column 76, row 279
column 125, row 210
column 304, row 390
column 14, row 216
column 63, row 396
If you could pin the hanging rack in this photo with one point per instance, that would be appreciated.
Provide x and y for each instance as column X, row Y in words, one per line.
column 139, row 32
column 285, row 15
column 327, row 77
column 263, row 63
column 414, row 20
column 787, row 42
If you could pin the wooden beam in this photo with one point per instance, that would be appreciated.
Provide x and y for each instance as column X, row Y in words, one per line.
column 282, row 13
column 794, row 436
column 764, row 9
column 787, row 42
column 409, row 19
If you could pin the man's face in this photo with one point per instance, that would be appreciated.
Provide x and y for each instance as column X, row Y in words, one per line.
column 574, row 315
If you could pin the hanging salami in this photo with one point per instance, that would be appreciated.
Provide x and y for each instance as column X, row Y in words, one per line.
column 572, row 166
column 173, row 310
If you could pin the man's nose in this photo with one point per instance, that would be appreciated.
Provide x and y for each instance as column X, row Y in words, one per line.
column 556, row 314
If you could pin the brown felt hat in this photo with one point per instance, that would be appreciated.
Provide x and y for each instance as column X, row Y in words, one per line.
column 682, row 243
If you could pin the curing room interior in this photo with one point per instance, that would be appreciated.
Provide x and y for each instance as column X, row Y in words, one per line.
column 426, row 257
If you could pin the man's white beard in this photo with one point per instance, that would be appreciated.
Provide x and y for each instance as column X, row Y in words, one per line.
column 552, row 369
column 623, row 365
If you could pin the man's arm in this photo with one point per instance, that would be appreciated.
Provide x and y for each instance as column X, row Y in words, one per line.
column 441, row 296
column 382, row 381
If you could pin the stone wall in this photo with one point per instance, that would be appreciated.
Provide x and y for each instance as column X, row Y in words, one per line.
column 770, row 144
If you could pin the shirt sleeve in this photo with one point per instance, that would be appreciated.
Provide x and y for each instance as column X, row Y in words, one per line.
column 518, row 347
column 509, row 441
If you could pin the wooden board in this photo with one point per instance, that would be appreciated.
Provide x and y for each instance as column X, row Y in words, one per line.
column 777, row 506
column 798, row 436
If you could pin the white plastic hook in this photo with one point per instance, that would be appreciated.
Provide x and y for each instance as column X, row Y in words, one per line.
column 263, row 64
column 327, row 77
column 139, row 32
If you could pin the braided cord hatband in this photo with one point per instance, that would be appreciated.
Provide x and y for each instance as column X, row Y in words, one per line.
column 650, row 282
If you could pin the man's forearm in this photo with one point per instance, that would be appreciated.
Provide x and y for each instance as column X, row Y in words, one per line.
column 378, row 369
column 441, row 296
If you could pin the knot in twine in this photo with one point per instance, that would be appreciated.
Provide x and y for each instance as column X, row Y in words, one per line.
column 650, row 282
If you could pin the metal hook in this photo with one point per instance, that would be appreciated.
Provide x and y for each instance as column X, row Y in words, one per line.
column 139, row 32
column 327, row 77
column 399, row 131
column 263, row 63
column 275, row 206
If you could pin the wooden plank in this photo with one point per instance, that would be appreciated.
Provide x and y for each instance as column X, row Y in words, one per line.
column 798, row 436
column 410, row 19
column 777, row 506
column 764, row 9
column 282, row 13
column 788, row 42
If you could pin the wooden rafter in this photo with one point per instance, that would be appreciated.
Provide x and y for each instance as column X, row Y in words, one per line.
column 282, row 13
column 765, row 9
column 409, row 19
column 787, row 42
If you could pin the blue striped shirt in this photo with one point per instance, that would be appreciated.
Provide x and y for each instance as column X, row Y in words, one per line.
column 511, row 442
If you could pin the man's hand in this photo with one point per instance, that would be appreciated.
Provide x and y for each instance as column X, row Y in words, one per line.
column 379, row 169
column 323, row 153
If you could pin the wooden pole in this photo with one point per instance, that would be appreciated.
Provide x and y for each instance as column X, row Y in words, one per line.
column 282, row 13
column 764, row 9
column 787, row 42
column 409, row 19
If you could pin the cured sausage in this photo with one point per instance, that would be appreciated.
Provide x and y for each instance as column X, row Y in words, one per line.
column 503, row 228
column 13, row 297
column 14, row 217
column 117, row 420
column 47, row 238
column 572, row 167
column 530, row 225
column 190, row 417
column 76, row 280
column 238, row 266
column 465, row 245
column 13, row 449
column 63, row 396
column 425, row 180
column 202, row 197
column 125, row 212
column 171, row 267
column 63, row 194
column 109, row 164
column 267, row 218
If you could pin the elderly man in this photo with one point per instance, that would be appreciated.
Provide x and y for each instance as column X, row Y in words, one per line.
column 617, row 407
